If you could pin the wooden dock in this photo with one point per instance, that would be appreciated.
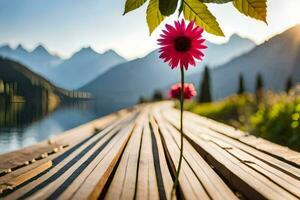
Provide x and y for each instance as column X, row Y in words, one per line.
column 133, row 154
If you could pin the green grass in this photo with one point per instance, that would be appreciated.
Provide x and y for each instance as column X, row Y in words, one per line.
column 278, row 121
column 276, row 117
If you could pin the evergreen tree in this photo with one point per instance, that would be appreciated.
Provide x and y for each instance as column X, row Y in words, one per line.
column 205, row 93
column 241, row 85
column 157, row 96
column 289, row 84
column 142, row 100
column 259, row 87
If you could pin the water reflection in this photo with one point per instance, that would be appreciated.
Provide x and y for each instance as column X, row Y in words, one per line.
column 21, row 125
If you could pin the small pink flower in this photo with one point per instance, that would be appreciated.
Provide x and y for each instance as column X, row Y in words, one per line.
column 188, row 92
column 181, row 44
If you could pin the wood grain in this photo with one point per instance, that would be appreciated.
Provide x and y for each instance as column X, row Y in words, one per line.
column 134, row 153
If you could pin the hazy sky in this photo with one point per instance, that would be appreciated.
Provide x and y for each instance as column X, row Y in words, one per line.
column 64, row 26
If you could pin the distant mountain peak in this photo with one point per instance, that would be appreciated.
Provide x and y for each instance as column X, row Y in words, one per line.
column 113, row 53
column 40, row 48
column 86, row 50
column 5, row 47
column 110, row 51
column 21, row 48
column 237, row 38
column 85, row 65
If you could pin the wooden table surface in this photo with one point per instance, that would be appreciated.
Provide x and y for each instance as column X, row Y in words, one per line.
column 133, row 154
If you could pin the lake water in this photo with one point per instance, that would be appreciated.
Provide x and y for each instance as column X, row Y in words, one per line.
column 21, row 127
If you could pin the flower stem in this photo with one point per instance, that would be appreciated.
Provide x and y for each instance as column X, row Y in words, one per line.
column 176, row 182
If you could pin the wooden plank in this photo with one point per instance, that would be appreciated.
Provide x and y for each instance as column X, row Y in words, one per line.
column 259, row 143
column 123, row 185
column 275, row 149
column 277, row 176
column 260, row 183
column 53, row 190
column 143, row 157
column 254, row 184
column 146, row 184
column 248, row 158
column 12, row 180
column 288, row 183
column 16, row 160
column 31, row 167
column 285, row 167
column 215, row 125
column 188, row 181
column 92, row 180
column 160, row 160
column 198, row 129
column 213, row 184
column 19, row 157
column 61, row 167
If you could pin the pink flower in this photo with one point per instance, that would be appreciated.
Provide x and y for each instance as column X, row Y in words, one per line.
column 181, row 44
column 188, row 92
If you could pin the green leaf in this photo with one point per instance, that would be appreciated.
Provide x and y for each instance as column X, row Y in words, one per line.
column 253, row 8
column 194, row 10
column 154, row 16
column 131, row 5
column 167, row 7
column 216, row 1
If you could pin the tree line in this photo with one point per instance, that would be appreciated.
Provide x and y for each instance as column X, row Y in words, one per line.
column 205, row 93
column 205, row 86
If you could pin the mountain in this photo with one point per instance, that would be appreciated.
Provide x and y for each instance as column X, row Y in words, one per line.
column 5, row 49
column 38, row 96
column 296, row 69
column 124, row 84
column 83, row 66
column 86, row 64
column 217, row 54
column 72, row 73
column 40, row 56
column 275, row 59
column 18, row 80
column 17, row 53
column 39, row 60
